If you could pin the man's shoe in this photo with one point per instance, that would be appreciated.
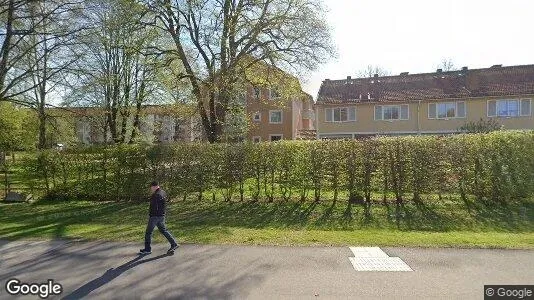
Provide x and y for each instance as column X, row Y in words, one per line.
column 144, row 251
column 171, row 250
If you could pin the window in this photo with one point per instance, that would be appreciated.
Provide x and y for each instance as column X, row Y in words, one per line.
column 446, row 110
column 276, row 137
column 341, row 114
column 274, row 94
column 391, row 112
column 275, row 116
column 257, row 117
column 257, row 92
column 526, row 108
column 508, row 108
column 256, row 139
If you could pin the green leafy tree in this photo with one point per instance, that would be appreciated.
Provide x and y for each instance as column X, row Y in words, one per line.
column 17, row 130
column 225, row 45
column 117, row 72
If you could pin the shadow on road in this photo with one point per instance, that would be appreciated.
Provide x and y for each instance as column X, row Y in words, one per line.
column 109, row 275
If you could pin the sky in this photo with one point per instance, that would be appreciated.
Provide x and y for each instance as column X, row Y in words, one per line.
column 416, row 36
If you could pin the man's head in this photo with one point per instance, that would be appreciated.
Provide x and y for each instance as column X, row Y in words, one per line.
column 154, row 186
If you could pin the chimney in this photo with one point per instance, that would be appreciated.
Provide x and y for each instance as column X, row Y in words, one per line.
column 439, row 71
column 376, row 75
column 349, row 78
column 464, row 69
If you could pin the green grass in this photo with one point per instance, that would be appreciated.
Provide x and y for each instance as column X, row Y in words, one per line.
column 436, row 223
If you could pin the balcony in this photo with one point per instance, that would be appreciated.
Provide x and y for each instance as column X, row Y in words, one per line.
column 308, row 114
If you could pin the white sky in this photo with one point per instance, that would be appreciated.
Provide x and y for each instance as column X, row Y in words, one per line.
column 416, row 35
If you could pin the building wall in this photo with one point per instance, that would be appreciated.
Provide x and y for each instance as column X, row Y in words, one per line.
column 263, row 128
column 418, row 118
column 298, row 115
column 153, row 127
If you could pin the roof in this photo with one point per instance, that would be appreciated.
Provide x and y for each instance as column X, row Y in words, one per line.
column 465, row 83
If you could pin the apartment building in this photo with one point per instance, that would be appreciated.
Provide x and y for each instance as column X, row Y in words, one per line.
column 157, row 123
column 430, row 103
column 273, row 118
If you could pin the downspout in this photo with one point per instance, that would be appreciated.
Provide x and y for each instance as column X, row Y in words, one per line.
column 317, row 121
column 293, row 109
column 418, row 117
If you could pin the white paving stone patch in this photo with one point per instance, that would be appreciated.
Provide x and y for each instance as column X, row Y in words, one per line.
column 368, row 252
column 374, row 259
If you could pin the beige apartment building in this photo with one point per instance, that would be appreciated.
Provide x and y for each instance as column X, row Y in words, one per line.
column 430, row 103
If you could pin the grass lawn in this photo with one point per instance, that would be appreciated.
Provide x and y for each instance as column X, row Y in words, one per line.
column 436, row 223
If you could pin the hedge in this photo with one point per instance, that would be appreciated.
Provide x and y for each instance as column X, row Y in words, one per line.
column 497, row 166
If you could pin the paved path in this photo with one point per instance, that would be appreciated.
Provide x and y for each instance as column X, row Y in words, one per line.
column 103, row 270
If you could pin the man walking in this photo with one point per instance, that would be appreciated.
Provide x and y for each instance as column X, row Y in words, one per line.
column 157, row 218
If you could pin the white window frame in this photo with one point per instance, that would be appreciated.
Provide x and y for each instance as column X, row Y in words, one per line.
column 455, row 103
column 281, row 116
column 392, row 105
column 254, row 138
column 497, row 108
column 280, row 135
column 331, row 110
column 256, row 114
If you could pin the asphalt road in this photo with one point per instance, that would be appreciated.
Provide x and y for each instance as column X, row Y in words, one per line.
column 104, row 270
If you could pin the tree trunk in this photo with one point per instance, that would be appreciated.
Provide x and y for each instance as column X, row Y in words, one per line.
column 42, row 128
column 6, row 46
column 136, row 123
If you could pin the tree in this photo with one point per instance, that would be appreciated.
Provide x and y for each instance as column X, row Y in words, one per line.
column 33, row 56
column 371, row 70
column 20, row 24
column 50, row 55
column 447, row 65
column 17, row 131
column 13, row 16
column 222, row 42
column 117, row 72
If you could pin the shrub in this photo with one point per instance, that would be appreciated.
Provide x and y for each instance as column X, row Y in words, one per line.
column 495, row 167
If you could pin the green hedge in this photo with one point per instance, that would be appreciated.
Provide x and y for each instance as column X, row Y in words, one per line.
column 498, row 166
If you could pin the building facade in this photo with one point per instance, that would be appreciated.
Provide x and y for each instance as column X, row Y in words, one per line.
column 266, row 117
column 431, row 103
column 157, row 123
column 273, row 119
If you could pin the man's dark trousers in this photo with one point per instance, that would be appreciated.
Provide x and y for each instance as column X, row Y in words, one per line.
column 160, row 222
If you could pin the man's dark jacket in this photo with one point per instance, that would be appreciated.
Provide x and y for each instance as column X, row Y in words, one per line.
column 157, row 203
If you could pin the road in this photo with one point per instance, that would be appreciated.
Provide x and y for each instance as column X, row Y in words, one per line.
column 111, row 270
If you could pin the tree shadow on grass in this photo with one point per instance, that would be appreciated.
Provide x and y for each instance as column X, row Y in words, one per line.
column 512, row 217
column 327, row 214
column 250, row 214
column 418, row 215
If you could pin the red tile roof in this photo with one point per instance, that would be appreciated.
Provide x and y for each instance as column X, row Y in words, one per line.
column 494, row 81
